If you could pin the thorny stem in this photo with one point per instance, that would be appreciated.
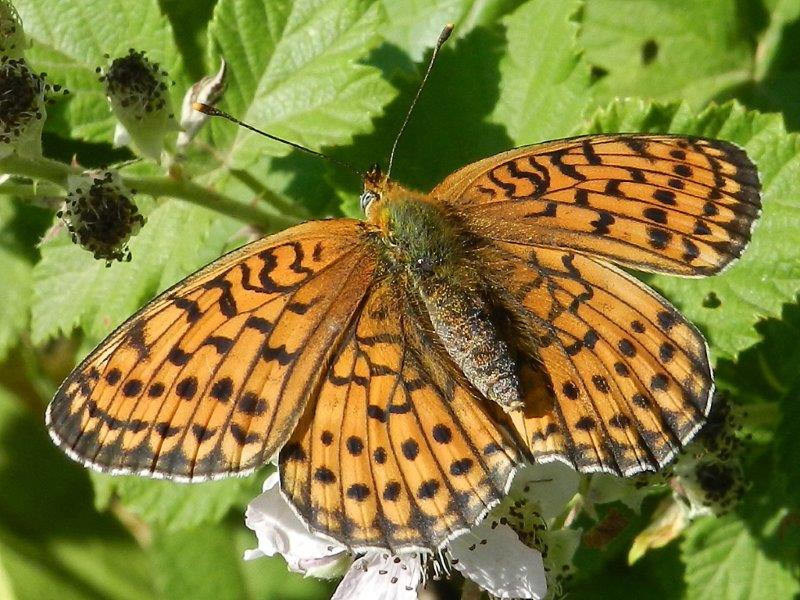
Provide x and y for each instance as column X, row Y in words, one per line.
column 35, row 193
column 188, row 191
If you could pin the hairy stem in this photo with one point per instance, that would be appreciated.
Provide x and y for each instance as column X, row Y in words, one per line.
column 157, row 186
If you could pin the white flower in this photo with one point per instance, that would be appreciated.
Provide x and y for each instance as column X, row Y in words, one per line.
column 208, row 91
column 280, row 531
column 381, row 576
column 492, row 554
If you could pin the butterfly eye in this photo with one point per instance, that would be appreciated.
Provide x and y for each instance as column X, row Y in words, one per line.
column 367, row 198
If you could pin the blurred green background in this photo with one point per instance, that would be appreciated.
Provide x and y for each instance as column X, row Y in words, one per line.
column 338, row 75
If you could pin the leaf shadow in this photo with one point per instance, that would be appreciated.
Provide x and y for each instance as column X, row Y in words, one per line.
column 46, row 496
column 449, row 128
column 779, row 88
column 767, row 373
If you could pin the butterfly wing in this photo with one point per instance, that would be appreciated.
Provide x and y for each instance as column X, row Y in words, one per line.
column 397, row 451
column 672, row 204
column 211, row 377
column 622, row 380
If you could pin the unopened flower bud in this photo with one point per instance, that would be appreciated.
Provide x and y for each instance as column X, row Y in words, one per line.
column 100, row 215
column 22, row 108
column 209, row 91
column 138, row 92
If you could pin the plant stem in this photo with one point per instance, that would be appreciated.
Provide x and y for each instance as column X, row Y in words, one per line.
column 37, row 168
column 156, row 186
column 201, row 196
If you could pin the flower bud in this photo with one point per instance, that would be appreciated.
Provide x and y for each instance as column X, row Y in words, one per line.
column 100, row 215
column 709, row 479
column 137, row 91
column 22, row 108
column 12, row 36
column 209, row 91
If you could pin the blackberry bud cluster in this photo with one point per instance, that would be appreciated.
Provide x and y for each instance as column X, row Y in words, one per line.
column 22, row 108
column 12, row 36
column 711, row 478
column 100, row 216
column 138, row 92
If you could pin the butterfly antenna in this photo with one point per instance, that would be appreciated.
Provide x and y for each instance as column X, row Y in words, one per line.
column 213, row 111
column 448, row 29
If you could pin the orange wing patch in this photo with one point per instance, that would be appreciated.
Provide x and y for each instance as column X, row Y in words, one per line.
column 630, row 376
column 394, row 453
column 672, row 204
column 211, row 377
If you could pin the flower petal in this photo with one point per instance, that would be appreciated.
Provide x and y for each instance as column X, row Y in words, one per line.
column 280, row 531
column 492, row 556
column 668, row 522
column 381, row 576
column 549, row 486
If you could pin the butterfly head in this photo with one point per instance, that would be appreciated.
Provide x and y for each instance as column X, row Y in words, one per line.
column 375, row 184
column 417, row 234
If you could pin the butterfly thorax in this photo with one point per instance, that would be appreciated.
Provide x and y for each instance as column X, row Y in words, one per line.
column 432, row 250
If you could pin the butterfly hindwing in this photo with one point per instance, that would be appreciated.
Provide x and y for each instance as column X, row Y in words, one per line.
column 394, row 453
column 672, row 204
column 211, row 377
column 630, row 378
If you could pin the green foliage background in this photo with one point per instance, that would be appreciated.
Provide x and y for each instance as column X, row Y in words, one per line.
column 338, row 75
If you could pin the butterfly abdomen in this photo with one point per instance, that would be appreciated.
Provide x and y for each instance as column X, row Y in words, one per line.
column 425, row 241
column 462, row 321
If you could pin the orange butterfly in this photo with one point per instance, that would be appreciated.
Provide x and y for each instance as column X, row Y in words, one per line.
column 403, row 367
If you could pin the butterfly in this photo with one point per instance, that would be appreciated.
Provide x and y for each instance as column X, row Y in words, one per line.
column 402, row 367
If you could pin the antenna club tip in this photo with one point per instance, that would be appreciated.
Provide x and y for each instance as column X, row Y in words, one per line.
column 203, row 108
column 448, row 29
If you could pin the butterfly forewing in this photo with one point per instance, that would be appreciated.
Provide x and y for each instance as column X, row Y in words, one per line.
column 211, row 377
column 394, row 453
column 672, row 204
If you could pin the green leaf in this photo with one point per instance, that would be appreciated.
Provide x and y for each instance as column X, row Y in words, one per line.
column 776, row 76
column 668, row 49
column 190, row 21
column 544, row 81
column 697, row 51
column 206, row 562
column 172, row 506
column 72, row 289
column 414, row 25
column 767, row 371
column 787, row 449
column 768, row 275
column 725, row 561
column 14, row 297
column 70, row 41
column 198, row 563
column 51, row 538
column 16, row 266
column 294, row 71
